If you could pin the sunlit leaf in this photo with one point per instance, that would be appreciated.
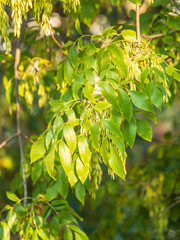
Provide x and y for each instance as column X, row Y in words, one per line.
column 70, row 137
column 37, row 150
column 49, row 159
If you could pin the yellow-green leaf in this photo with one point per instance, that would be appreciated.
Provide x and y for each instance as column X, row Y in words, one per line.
column 84, row 150
column 82, row 170
column 116, row 163
column 70, row 137
column 37, row 150
column 49, row 159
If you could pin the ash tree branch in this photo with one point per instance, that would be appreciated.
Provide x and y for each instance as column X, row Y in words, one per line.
column 16, row 73
column 8, row 140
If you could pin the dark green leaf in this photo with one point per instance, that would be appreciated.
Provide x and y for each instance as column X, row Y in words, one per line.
column 112, row 127
column 140, row 100
column 125, row 104
column 144, row 129
column 130, row 132
column 80, row 192
column 73, row 56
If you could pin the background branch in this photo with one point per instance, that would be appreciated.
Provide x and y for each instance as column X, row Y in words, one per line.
column 16, row 64
column 8, row 140
column 138, row 24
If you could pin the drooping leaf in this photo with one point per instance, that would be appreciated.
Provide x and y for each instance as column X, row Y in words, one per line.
column 68, row 71
column 176, row 76
column 70, row 137
column 4, row 231
column 78, row 230
column 80, row 192
column 144, row 129
column 49, row 159
column 82, row 170
column 112, row 127
column 52, row 192
column 95, row 135
column 125, row 104
column 130, row 132
column 43, row 235
column 68, row 234
column 65, row 157
column 158, row 72
column 78, row 27
column 144, row 74
column 118, row 58
column 84, row 150
column 88, row 94
column 157, row 98
column 37, row 150
column 36, row 171
column 116, row 163
column 140, row 100
column 120, row 144
column 109, row 93
column 73, row 56
column 104, row 151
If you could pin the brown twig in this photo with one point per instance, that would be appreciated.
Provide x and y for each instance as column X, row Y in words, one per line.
column 138, row 24
column 8, row 140
column 55, row 40
column 16, row 64
column 157, row 35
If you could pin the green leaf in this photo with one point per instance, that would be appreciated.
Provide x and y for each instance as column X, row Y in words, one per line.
column 12, row 196
column 76, row 229
column 176, row 76
column 36, row 171
column 95, row 135
column 70, row 137
column 4, row 231
column 12, row 220
column 118, row 58
column 169, row 70
column 52, row 192
column 78, row 27
column 129, row 35
column 109, row 93
column 37, row 150
column 73, row 56
column 144, row 74
column 130, row 132
column 120, row 144
column 80, row 192
column 116, row 163
column 144, row 129
column 90, row 77
column 65, row 157
column 82, row 170
column 150, row 116
column 68, row 234
column 104, row 151
column 140, row 100
column 157, row 98
column 112, row 127
column 42, row 234
column 158, row 72
column 88, row 94
column 56, row 103
column 84, row 150
column 102, row 105
column 62, row 183
column 68, row 71
column 49, row 159
column 125, row 104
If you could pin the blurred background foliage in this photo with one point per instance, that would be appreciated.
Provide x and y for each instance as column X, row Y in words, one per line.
column 147, row 205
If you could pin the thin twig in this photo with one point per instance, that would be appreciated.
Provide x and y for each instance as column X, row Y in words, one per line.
column 16, row 64
column 138, row 24
column 8, row 140
column 166, row 209
column 26, row 137
column 55, row 40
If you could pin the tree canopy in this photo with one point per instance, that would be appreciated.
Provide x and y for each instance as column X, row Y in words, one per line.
column 83, row 85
